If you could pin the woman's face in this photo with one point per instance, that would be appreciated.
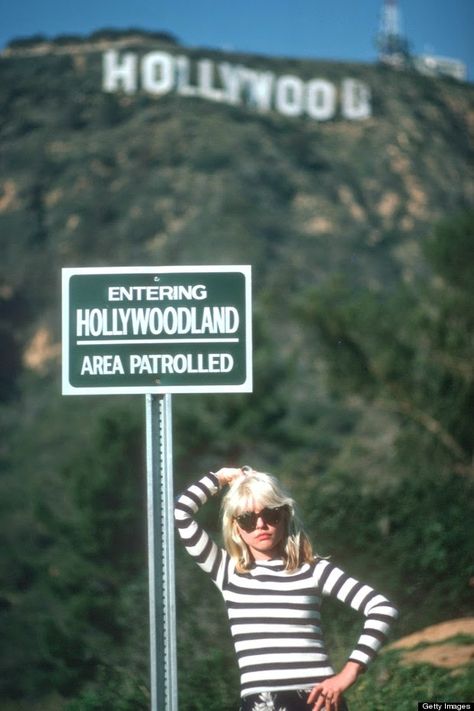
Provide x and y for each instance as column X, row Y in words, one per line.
column 266, row 540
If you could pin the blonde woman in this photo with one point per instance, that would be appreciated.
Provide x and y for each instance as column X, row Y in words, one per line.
column 272, row 586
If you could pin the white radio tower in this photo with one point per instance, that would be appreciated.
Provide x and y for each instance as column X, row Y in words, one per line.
column 392, row 46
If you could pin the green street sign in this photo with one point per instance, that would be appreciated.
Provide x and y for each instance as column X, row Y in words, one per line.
column 156, row 330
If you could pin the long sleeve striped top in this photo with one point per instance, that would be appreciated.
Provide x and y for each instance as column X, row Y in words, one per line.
column 275, row 615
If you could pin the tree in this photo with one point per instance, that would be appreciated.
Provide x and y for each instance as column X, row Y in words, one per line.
column 410, row 352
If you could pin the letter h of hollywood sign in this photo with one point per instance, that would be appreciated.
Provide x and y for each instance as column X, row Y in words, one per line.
column 161, row 72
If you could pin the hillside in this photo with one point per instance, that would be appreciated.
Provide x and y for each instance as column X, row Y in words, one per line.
column 330, row 179
column 90, row 177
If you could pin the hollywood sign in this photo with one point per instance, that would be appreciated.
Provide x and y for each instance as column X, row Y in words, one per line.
column 160, row 73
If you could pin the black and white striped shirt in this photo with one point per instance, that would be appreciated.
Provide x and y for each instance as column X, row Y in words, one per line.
column 275, row 615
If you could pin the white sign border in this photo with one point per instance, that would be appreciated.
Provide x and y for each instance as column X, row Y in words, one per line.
column 246, row 386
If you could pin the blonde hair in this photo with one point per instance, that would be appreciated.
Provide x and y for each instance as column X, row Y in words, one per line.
column 259, row 489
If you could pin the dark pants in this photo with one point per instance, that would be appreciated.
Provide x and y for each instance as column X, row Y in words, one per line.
column 281, row 701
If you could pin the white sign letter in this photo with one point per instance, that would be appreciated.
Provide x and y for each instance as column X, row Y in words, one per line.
column 355, row 100
column 289, row 96
column 257, row 88
column 157, row 72
column 321, row 99
column 230, row 77
column 183, row 77
column 205, row 81
column 119, row 75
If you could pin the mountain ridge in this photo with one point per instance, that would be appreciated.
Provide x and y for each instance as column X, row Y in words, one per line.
column 337, row 195
column 362, row 351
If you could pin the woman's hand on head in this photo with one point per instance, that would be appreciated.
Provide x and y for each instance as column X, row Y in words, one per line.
column 227, row 475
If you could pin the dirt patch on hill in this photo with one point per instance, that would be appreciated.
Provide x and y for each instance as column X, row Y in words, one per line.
column 434, row 645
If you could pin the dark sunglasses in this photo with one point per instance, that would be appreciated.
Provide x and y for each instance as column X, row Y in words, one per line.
column 248, row 519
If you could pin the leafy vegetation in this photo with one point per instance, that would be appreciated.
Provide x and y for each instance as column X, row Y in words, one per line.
column 395, row 685
column 363, row 365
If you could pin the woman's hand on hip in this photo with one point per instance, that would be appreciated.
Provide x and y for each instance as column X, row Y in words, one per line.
column 326, row 695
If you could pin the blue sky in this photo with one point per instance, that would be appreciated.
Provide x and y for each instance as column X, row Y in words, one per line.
column 329, row 29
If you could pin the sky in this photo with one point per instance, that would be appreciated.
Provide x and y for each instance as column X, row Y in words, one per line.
column 316, row 29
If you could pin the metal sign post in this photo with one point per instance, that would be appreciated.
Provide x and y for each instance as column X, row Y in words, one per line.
column 157, row 331
column 163, row 663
